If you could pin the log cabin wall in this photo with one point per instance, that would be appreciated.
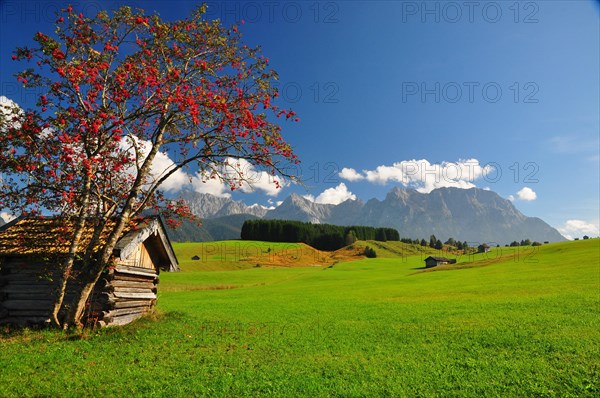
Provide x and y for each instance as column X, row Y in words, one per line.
column 30, row 273
column 122, row 295
column 125, row 293
column 27, row 290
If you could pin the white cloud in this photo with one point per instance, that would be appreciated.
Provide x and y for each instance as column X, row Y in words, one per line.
column 423, row 175
column 9, row 109
column 241, row 173
column 333, row 196
column 577, row 228
column 7, row 105
column 7, row 217
column 259, row 206
column 384, row 174
column 250, row 179
column 273, row 203
column 511, row 198
column 204, row 183
column 350, row 174
column 526, row 194
column 237, row 169
column 161, row 165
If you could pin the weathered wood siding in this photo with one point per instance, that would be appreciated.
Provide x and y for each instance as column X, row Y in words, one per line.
column 139, row 258
column 430, row 263
column 28, row 287
column 122, row 295
column 27, row 290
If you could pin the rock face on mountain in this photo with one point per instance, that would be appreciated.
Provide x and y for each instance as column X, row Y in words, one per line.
column 297, row 208
column 205, row 205
column 222, row 218
column 474, row 215
column 210, row 229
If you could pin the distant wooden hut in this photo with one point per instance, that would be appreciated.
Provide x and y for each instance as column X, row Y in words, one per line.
column 432, row 261
column 483, row 248
column 30, row 254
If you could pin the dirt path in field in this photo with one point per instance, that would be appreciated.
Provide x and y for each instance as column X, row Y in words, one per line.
column 306, row 256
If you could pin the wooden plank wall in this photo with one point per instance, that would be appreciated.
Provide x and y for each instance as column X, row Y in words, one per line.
column 139, row 258
column 27, row 290
column 122, row 295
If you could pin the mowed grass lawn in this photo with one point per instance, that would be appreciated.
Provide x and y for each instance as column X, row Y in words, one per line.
column 513, row 322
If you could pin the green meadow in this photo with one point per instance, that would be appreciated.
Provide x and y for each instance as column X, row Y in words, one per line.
column 232, row 255
column 520, row 322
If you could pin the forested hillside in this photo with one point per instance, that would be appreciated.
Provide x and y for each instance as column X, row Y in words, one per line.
column 319, row 236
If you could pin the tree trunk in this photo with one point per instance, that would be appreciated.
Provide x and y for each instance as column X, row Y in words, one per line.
column 92, row 271
column 60, row 296
column 94, row 268
column 73, row 248
column 76, row 310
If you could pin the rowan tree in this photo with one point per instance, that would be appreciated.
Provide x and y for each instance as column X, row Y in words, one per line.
column 120, row 90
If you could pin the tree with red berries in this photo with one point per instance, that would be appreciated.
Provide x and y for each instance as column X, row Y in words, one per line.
column 120, row 90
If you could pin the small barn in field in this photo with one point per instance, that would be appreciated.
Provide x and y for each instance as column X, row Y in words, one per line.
column 31, row 250
column 432, row 261
column 483, row 248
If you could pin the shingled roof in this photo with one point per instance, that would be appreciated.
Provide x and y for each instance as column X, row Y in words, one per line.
column 444, row 259
column 53, row 235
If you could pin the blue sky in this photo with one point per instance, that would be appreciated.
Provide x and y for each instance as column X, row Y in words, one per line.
column 404, row 93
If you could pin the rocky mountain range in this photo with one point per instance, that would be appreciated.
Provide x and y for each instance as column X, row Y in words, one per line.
column 474, row 215
column 205, row 205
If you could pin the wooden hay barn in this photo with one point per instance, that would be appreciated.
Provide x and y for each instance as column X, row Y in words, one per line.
column 432, row 261
column 30, row 258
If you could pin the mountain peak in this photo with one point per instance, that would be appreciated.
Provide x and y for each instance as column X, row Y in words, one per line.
column 474, row 214
column 205, row 205
column 401, row 193
column 295, row 198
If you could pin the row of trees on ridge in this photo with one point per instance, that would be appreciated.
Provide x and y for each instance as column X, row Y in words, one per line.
column 319, row 236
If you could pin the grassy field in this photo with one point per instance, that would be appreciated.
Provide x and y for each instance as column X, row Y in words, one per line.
column 237, row 255
column 230, row 255
column 512, row 322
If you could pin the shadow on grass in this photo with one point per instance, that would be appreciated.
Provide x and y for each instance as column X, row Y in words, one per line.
column 8, row 331
column 46, row 332
column 147, row 321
